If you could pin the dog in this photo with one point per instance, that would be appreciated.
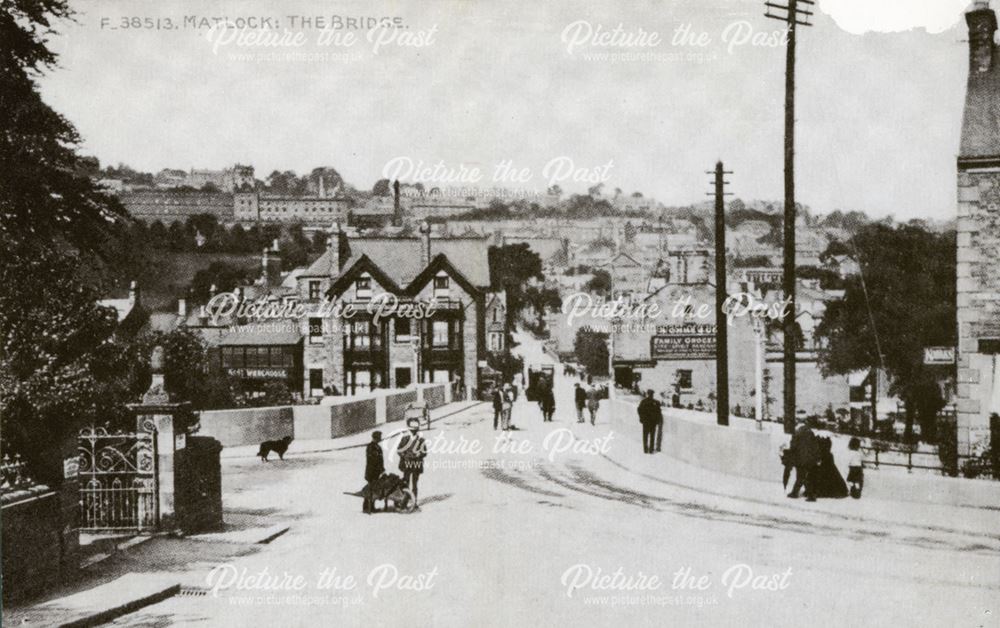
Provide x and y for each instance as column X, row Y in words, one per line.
column 277, row 446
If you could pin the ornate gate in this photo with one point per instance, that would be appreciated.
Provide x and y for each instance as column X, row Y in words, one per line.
column 118, row 480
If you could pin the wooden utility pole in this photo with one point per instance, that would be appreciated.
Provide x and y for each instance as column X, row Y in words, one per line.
column 791, row 15
column 721, row 331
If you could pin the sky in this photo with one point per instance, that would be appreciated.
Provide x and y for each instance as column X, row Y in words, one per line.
column 640, row 96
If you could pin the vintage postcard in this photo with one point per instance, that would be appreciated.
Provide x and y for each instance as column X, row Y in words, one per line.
column 462, row 313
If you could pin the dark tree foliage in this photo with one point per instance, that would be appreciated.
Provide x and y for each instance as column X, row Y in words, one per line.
column 591, row 349
column 909, row 274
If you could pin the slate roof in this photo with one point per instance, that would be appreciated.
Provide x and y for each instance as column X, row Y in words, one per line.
column 401, row 258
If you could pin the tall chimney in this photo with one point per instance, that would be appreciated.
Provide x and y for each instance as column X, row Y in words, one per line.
column 397, row 214
column 425, row 248
column 982, row 23
column 333, row 245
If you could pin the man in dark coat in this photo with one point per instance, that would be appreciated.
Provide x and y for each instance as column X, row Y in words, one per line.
column 374, row 468
column 650, row 415
column 497, row 406
column 805, row 455
column 547, row 401
column 580, row 399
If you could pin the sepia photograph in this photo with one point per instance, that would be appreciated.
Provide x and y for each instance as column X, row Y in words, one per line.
column 458, row 313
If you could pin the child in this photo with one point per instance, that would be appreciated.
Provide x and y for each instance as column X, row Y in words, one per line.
column 855, row 468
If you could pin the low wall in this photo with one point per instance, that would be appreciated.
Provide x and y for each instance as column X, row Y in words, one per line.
column 396, row 403
column 246, row 426
column 346, row 415
column 434, row 395
column 724, row 449
column 755, row 454
column 352, row 416
column 31, row 544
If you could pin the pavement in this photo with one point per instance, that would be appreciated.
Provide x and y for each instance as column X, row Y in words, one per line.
column 569, row 521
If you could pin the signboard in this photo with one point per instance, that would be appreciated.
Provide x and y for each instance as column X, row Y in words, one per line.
column 71, row 467
column 258, row 373
column 939, row 355
column 683, row 342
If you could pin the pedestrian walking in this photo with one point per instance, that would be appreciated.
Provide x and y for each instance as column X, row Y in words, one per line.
column 855, row 468
column 580, row 400
column 547, row 401
column 650, row 415
column 412, row 450
column 497, row 406
column 374, row 468
column 593, row 403
column 506, row 405
column 658, row 437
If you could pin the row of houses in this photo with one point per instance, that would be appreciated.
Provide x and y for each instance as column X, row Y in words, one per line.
column 370, row 312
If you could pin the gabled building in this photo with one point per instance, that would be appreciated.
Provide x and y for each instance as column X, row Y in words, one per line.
column 387, row 312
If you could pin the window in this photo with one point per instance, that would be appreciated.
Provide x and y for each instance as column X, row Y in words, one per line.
column 402, row 330
column 495, row 341
column 684, row 379
column 363, row 288
column 315, row 330
column 316, row 382
column 262, row 357
column 360, row 381
column 496, row 315
column 360, row 335
column 439, row 335
column 404, row 377
column 441, row 286
column 313, row 290
column 227, row 357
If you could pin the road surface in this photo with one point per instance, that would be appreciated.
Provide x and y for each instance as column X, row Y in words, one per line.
column 571, row 524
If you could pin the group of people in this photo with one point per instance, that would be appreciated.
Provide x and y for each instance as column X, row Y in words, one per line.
column 811, row 458
column 503, row 403
column 412, row 449
column 589, row 398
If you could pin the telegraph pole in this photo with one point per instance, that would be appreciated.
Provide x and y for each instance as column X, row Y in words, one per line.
column 793, row 16
column 721, row 332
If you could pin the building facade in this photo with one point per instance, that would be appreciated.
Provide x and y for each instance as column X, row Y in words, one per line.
column 978, row 226
column 389, row 312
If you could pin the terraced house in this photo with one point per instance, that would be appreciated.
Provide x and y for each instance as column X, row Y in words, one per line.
column 385, row 312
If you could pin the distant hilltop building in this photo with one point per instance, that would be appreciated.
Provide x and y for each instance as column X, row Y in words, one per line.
column 236, row 178
column 978, row 226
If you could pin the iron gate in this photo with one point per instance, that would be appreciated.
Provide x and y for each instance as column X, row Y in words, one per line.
column 118, row 480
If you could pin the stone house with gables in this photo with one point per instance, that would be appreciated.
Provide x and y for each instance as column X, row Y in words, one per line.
column 387, row 312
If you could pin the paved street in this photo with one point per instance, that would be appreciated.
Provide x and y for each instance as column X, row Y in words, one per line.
column 507, row 538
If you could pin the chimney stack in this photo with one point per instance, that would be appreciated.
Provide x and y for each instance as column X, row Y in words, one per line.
column 333, row 245
column 982, row 23
column 425, row 237
column 133, row 292
column 181, row 308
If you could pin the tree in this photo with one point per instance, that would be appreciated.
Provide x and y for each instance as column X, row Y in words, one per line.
column 555, row 190
column 600, row 283
column 909, row 276
column 55, row 232
column 382, row 187
column 46, row 195
column 591, row 349
column 512, row 266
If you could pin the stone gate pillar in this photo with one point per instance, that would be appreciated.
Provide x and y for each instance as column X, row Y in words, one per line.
column 169, row 421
